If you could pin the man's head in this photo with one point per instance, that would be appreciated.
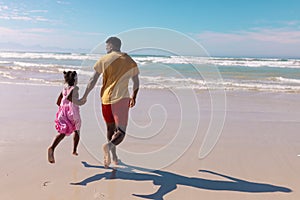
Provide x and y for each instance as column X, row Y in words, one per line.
column 113, row 44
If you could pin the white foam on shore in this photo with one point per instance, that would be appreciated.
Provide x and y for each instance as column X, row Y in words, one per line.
column 160, row 82
column 219, row 61
column 7, row 75
column 28, row 84
column 46, row 68
column 56, row 56
column 247, row 62
column 286, row 80
column 173, row 83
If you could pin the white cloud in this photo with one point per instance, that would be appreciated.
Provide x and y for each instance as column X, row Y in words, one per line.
column 4, row 17
column 3, row 8
column 6, row 31
column 22, row 35
column 264, row 41
column 50, row 37
column 291, row 23
column 22, row 18
column 63, row 2
column 39, row 30
column 275, row 35
column 17, row 14
column 41, row 19
column 87, row 33
column 283, row 36
column 38, row 11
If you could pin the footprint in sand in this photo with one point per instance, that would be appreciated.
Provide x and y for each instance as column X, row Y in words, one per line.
column 99, row 196
column 46, row 183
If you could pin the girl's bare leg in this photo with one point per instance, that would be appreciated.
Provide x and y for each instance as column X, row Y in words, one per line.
column 76, row 141
column 51, row 149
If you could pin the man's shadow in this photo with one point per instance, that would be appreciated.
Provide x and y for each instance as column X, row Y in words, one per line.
column 168, row 181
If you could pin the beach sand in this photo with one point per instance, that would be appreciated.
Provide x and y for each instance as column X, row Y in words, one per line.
column 256, row 156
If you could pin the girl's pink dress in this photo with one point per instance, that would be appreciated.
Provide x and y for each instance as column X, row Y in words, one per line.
column 67, row 118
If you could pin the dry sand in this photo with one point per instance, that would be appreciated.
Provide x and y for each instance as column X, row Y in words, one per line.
column 255, row 158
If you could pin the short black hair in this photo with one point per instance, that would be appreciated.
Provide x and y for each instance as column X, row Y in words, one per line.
column 116, row 42
column 69, row 77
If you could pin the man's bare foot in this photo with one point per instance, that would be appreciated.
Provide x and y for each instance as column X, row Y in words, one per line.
column 75, row 153
column 51, row 155
column 115, row 160
column 106, row 154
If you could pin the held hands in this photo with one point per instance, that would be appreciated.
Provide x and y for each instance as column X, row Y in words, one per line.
column 132, row 102
column 82, row 101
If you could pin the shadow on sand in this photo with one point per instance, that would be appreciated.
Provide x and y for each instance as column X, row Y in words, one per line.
column 168, row 181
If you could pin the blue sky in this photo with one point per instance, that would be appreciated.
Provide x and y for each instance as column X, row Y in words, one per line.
column 224, row 28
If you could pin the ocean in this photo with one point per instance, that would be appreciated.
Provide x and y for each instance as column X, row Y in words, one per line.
column 160, row 72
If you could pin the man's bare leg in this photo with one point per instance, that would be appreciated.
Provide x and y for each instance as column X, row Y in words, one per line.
column 114, row 155
column 115, row 139
column 106, row 148
column 111, row 127
column 118, row 136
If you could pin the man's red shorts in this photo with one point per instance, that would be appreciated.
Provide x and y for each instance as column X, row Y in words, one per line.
column 116, row 113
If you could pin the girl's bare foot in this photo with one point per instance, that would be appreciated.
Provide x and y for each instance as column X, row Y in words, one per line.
column 51, row 155
column 106, row 154
column 75, row 153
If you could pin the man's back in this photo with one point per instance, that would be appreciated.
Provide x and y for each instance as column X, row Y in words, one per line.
column 117, row 69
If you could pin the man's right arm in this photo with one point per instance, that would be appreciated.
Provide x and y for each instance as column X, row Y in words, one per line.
column 91, row 84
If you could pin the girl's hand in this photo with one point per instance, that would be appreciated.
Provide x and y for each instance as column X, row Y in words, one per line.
column 82, row 101
column 132, row 102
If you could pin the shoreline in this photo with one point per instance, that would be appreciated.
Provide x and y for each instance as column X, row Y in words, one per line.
column 150, row 88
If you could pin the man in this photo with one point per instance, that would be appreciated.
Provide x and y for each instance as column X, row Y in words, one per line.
column 117, row 69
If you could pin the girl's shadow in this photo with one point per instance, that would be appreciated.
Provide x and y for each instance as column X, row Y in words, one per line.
column 168, row 181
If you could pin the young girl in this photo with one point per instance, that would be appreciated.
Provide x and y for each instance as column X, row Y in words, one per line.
column 67, row 118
